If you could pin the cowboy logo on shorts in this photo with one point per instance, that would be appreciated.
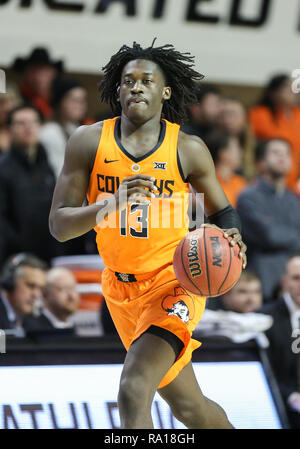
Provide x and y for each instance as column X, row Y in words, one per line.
column 184, row 307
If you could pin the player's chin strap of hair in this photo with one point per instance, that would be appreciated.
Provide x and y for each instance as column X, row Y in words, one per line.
column 226, row 218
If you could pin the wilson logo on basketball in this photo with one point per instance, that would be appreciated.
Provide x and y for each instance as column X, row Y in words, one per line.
column 221, row 265
column 217, row 251
column 193, row 258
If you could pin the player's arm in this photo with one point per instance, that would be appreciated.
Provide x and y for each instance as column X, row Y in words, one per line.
column 68, row 219
column 199, row 170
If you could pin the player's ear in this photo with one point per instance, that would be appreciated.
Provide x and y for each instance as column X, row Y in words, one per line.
column 118, row 93
column 167, row 93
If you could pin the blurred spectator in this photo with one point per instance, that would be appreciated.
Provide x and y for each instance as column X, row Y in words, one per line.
column 277, row 115
column 270, row 215
column 61, row 301
column 22, row 280
column 203, row 114
column 38, row 72
column 227, row 155
column 286, row 327
column 8, row 101
column 26, row 189
column 234, row 315
column 69, row 101
column 233, row 120
column 244, row 297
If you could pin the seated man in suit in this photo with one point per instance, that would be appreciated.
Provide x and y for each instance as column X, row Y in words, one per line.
column 22, row 280
column 284, row 350
column 60, row 302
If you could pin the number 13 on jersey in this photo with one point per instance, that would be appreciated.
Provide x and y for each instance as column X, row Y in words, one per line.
column 136, row 219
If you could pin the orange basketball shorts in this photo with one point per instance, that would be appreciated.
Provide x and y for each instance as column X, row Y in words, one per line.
column 153, row 299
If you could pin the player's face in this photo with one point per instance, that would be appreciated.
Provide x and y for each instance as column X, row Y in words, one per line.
column 142, row 90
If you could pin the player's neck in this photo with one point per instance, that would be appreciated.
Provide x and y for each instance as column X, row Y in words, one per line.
column 150, row 127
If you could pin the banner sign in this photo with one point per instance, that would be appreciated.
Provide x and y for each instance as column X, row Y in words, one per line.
column 85, row 396
column 235, row 41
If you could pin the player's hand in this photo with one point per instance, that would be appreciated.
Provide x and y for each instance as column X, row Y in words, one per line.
column 294, row 401
column 234, row 233
column 136, row 189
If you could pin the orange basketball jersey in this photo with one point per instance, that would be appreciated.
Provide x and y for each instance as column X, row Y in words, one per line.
column 142, row 237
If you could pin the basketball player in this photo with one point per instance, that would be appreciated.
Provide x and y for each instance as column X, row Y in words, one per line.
column 143, row 152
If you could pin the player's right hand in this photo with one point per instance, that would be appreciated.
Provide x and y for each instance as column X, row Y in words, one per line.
column 136, row 189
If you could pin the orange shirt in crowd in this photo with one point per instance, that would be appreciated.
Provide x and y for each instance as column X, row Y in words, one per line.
column 233, row 187
column 265, row 126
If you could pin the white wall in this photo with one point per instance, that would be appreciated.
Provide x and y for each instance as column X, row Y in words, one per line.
column 224, row 52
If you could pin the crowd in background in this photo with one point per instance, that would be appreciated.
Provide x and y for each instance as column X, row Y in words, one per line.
column 257, row 158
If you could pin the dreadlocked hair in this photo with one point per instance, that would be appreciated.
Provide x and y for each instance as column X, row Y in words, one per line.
column 178, row 71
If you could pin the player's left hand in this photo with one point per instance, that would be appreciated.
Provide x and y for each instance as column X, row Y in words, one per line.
column 236, row 239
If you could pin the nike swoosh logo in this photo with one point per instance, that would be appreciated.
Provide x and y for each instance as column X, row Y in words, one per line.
column 108, row 162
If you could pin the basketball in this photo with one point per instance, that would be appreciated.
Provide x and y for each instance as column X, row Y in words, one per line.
column 206, row 264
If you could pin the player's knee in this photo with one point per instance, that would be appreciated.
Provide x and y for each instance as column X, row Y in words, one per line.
column 133, row 392
column 203, row 414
